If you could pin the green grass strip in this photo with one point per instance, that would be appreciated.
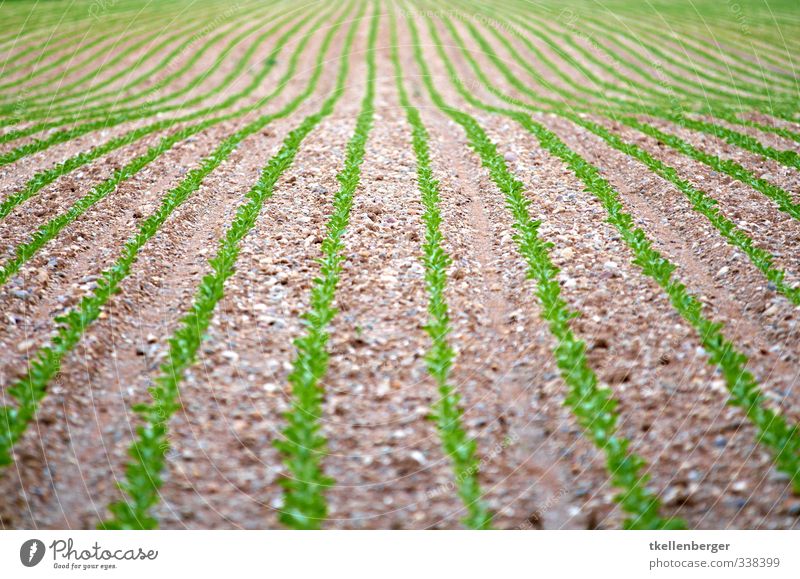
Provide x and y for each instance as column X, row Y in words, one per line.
column 46, row 363
column 150, row 96
column 39, row 145
column 141, row 40
column 786, row 157
column 48, row 176
column 774, row 431
column 143, row 474
column 303, row 445
column 765, row 101
column 701, row 201
column 688, row 42
column 47, row 110
column 48, row 231
column 70, row 55
column 190, row 27
column 49, row 43
column 31, row 110
column 457, row 445
column 658, row 84
column 719, row 110
column 778, row 195
column 772, row 89
column 149, row 107
column 592, row 405
column 576, row 103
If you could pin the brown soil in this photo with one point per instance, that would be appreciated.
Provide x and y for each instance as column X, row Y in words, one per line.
column 538, row 468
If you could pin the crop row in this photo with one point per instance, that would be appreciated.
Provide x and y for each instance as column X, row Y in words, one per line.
column 701, row 201
column 143, row 473
column 774, row 431
column 302, row 444
column 447, row 412
column 152, row 97
column 666, row 101
column 48, row 176
column 662, row 100
column 86, row 87
column 116, row 116
column 592, row 405
column 48, row 231
column 45, row 364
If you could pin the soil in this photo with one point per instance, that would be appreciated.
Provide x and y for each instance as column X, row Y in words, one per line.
column 538, row 469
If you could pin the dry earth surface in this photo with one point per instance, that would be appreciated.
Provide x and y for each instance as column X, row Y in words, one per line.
column 101, row 114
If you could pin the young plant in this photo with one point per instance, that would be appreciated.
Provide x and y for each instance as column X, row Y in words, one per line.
column 303, row 445
column 457, row 445
column 592, row 405
column 46, row 363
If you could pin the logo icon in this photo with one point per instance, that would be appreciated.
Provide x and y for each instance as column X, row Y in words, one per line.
column 31, row 553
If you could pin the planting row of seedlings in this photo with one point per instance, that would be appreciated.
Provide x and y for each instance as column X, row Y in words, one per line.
column 94, row 85
column 610, row 73
column 73, row 127
column 45, row 364
column 143, row 473
column 460, row 449
column 50, row 230
column 702, row 202
column 775, row 432
column 657, row 98
column 591, row 404
column 50, row 175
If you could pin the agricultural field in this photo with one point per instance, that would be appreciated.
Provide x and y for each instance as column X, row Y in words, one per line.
column 388, row 264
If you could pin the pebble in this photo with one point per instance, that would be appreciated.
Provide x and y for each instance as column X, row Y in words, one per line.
column 676, row 496
column 383, row 389
column 771, row 311
column 793, row 508
column 25, row 345
column 566, row 253
column 230, row 355
column 570, row 283
column 739, row 486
